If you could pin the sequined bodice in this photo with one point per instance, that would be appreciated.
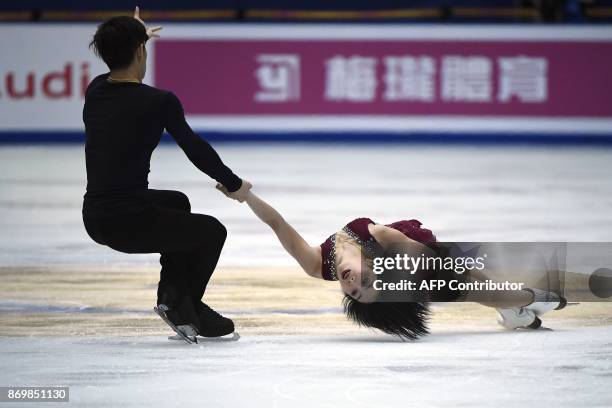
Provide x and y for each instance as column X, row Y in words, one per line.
column 358, row 231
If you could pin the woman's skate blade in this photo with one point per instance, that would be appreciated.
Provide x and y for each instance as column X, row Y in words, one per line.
column 185, row 333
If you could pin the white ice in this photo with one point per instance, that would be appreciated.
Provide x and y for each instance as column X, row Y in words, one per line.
column 462, row 194
column 465, row 368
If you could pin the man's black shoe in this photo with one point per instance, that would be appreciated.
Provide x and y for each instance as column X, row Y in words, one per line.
column 212, row 324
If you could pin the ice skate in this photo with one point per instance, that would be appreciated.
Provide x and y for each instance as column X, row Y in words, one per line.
column 529, row 316
column 230, row 337
column 180, row 316
column 184, row 332
column 518, row 317
column 544, row 301
column 212, row 324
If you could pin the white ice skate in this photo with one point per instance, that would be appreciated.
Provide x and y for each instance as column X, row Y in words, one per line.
column 528, row 317
column 544, row 301
column 518, row 317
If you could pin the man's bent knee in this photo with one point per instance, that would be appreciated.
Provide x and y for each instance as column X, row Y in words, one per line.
column 211, row 230
column 218, row 230
column 182, row 201
column 221, row 230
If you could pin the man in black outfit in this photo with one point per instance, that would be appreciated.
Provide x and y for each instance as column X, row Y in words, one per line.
column 124, row 121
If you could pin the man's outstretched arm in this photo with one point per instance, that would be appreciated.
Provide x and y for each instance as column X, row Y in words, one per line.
column 198, row 150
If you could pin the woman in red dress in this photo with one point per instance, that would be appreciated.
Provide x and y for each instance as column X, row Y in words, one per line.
column 346, row 256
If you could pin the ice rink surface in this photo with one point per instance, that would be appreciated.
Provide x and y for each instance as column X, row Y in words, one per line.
column 458, row 368
column 461, row 193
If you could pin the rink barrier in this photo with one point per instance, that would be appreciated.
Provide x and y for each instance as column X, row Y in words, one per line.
column 426, row 84
column 562, row 139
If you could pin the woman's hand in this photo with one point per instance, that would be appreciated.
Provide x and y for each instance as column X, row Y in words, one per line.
column 238, row 195
column 151, row 31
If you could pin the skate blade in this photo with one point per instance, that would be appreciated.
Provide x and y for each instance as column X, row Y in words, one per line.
column 230, row 337
column 180, row 335
column 539, row 329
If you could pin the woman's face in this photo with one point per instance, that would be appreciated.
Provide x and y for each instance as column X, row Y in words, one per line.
column 356, row 277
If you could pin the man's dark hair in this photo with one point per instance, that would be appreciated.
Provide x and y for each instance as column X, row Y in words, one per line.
column 117, row 39
column 406, row 320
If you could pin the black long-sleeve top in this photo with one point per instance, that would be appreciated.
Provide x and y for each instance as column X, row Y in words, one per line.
column 124, row 122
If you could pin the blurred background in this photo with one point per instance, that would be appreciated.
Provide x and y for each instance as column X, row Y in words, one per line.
column 530, row 11
column 486, row 120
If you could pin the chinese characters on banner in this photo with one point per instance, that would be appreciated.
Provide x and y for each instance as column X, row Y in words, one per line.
column 278, row 77
column 408, row 78
column 387, row 77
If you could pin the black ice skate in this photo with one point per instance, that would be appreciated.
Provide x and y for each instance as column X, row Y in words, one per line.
column 213, row 327
column 180, row 315
column 212, row 324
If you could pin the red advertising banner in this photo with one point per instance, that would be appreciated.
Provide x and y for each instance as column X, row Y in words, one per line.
column 517, row 78
column 267, row 78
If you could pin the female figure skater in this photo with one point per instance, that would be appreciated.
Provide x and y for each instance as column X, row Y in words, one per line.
column 346, row 256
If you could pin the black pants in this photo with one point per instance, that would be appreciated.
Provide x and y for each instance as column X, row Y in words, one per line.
column 189, row 244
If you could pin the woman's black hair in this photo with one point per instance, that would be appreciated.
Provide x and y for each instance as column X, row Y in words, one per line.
column 117, row 39
column 406, row 320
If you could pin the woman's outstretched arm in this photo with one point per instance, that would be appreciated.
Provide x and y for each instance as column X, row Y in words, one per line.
column 307, row 256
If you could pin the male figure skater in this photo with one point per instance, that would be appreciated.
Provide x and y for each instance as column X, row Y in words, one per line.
column 124, row 120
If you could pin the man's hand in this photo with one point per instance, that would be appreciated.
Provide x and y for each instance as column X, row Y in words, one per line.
column 240, row 194
column 151, row 31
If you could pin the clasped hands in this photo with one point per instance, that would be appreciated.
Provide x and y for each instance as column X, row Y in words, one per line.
column 239, row 195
